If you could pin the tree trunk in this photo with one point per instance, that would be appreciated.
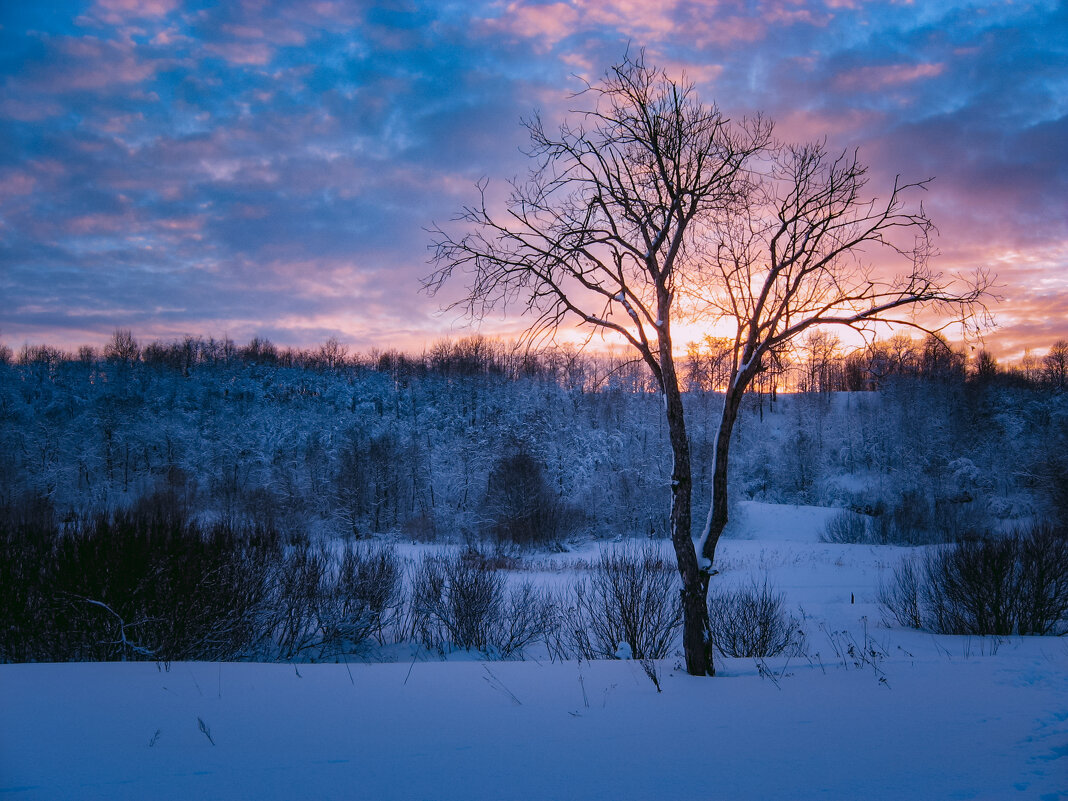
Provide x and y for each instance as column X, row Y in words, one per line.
column 695, row 645
column 717, row 514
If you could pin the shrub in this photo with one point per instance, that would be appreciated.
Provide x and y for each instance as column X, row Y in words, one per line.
column 913, row 520
column 751, row 622
column 327, row 605
column 900, row 598
column 631, row 598
column 845, row 527
column 907, row 522
column 1014, row 584
column 27, row 533
column 461, row 601
column 1042, row 605
column 369, row 591
column 971, row 587
column 296, row 608
column 132, row 586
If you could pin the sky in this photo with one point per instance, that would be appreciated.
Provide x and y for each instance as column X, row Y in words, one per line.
column 270, row 169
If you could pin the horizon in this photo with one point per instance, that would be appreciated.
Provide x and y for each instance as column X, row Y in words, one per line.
column 269, row 170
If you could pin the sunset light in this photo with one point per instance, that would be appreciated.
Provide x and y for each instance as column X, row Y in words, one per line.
column 269, row 170
column 533, row 399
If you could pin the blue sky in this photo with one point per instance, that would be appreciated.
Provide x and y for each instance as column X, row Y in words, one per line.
column 270, row 168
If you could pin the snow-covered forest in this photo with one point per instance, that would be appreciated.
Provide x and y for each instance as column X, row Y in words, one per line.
column 467, row 441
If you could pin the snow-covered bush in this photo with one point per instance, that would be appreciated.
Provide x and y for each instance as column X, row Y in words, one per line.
column 751, row 621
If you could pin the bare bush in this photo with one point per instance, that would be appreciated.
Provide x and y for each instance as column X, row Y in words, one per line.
column 971, row 587
column 631, row 598
column 142, row 585
column 900, row 597
column 461, row 601
column 845, row 527
column 907, row 522
column 913, row 519
column 361, row 597
column 299, row 584
column 1013, row 584
column 751, row 621
column 1042, row 606
column 326, row 605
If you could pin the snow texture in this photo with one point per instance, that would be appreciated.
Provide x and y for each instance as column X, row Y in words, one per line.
column 933, row 718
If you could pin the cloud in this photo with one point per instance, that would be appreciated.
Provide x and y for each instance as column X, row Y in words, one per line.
column 88, row 63
column 118, row 12
column 271, row 166
column 245, row 53
column 880, row 77
column 16, row 182
column 550, row 22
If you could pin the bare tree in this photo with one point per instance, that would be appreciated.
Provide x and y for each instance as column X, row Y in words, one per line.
column 123, row 348
column 708, row 363
column 1055, row 364
column 332, row 353
column 822, row 361
column 650, row 207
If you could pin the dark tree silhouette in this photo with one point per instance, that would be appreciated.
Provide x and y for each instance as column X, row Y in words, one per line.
column 650, row 207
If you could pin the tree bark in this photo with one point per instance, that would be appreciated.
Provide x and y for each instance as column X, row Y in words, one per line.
column 717, row 514
column 698, row 654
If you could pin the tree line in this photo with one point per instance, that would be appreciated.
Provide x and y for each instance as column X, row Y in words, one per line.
column 464, row 449
column 819, row 362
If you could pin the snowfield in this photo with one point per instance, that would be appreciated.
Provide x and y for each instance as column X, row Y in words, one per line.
column 906, row 715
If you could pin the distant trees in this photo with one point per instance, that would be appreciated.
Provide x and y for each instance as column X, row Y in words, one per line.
column 822, row 361
column 986, row 366
column 358, row 451
column 708, row 364
column 1055, row 365
column 123, row 348
column 519, row 504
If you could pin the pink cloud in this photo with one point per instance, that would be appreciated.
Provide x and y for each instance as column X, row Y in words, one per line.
column 275, row 34
column 28, row 110
column 16, row 183
column 650, row 23
column 724, row 31
column 245, row 53
column 838, row 127
column 643, row 20
column 550, row 22
column 92, row 63
column 115, row 12
column 169, row 36
column 120, row 123
column 792, row 12
column 654, row 19
column 182, row 224
column 100, row 224
column 880, row 77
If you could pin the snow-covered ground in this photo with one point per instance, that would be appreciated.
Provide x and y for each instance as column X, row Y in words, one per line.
column 918, row 717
